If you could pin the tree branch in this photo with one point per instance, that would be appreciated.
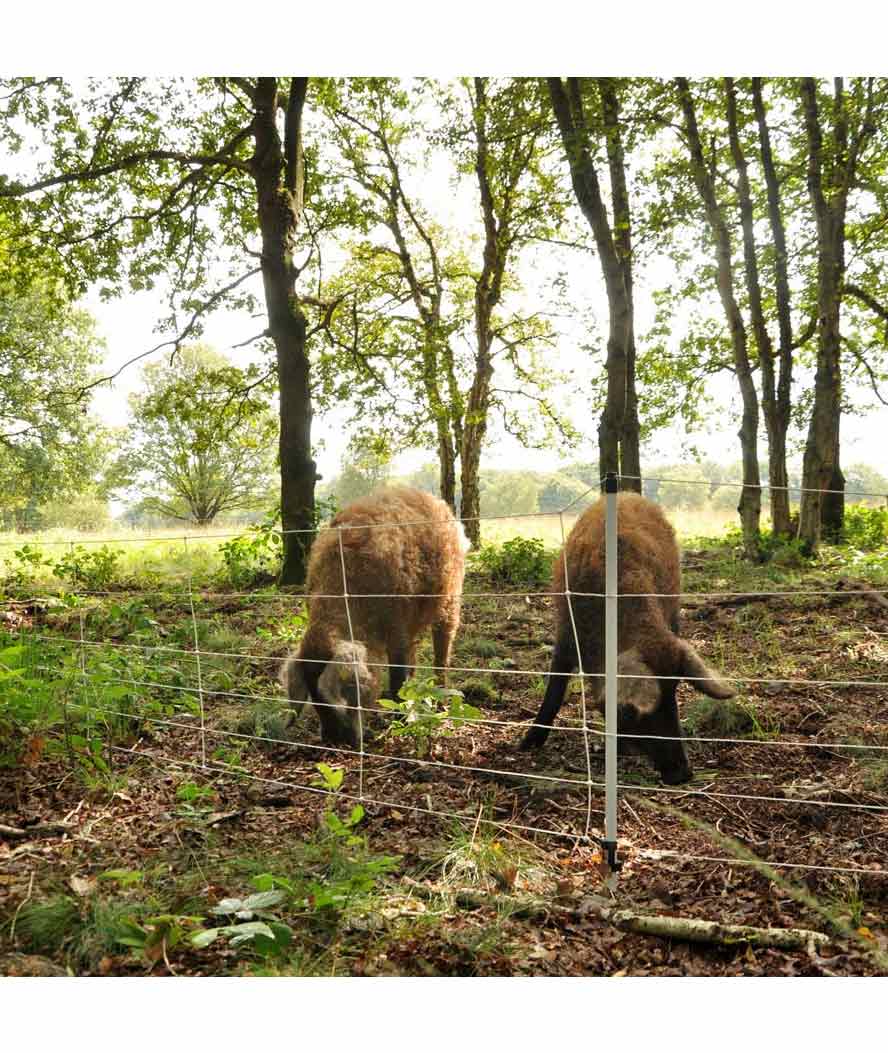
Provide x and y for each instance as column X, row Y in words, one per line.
column 87, row 175
column 176, row 343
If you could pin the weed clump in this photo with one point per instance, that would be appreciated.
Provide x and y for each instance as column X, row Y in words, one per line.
column 44, row 927
column 267, row 721
column 724, row 718
column 481, row 647
column 479, row 690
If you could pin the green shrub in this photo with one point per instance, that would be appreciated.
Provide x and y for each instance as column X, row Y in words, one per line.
column 24, row 567
column 44, row 927
column 254, row 558
column 94, row 568
column 519, row 561
column 866, row 528
column 29, row 703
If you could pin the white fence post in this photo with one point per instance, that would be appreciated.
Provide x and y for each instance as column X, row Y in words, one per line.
column 610, row 671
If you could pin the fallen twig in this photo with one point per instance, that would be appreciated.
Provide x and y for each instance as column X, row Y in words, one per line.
column 692, row 930
column 697, row 930
column 37, row 830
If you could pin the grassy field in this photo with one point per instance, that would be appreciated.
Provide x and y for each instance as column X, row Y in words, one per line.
column 165, row 812
column 176, row 553
column 688, row 523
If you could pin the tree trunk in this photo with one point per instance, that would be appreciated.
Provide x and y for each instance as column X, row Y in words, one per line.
column 475, row 428
column 777, row 410
column 832, row 511
column 630, row 454
column 750, row 504
column 615, row 257
column 278, row 173
column 776, row 435
column 821, row 448
column 470, row 504
column 447, row 462
column 488, row 288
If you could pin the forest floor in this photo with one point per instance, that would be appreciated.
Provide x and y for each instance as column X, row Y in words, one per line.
column 128, row 848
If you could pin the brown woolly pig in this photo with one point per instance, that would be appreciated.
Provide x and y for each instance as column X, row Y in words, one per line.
column 647, row 632
column 405, row 553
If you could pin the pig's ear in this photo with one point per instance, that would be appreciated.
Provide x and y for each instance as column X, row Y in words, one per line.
column 700, row 676
column 637, row 685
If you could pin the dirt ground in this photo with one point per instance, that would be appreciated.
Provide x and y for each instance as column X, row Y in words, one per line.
column 493, row 876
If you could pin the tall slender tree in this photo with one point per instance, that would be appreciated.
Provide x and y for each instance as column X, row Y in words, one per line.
column 618, row 431
column 777, row 400
column 750, row 496
column 833, row 161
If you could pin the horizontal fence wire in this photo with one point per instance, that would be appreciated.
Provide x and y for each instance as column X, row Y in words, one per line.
column 812, row 744
column 194, row 595
column 512, row 774
column 160, row 648
column 758, row 864
column 715, row 484
column 642, row 853
column 639, row 853
column 711, row 484
column 518, row 593
column 340, row 794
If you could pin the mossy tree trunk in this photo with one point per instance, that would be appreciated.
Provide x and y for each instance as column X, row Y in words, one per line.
column 831, row 174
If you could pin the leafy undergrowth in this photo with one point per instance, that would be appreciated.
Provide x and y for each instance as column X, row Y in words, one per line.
column 126, row 853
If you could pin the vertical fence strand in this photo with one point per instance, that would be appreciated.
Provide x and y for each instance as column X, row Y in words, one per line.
column 611, row 654
column 569, row 600
column 200, row 690
column 351, row 636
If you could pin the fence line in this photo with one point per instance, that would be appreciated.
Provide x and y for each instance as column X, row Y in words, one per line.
column 626, row 787
column 355, row 673
column 665, row 853
column 502, row 594
column 524, row 724
column 611, row 657
column 796, row 682
column 203, row 738
column 533, row 776
column 642, row 853
column 594, row 488
column 715, row 484
column 341, row 794
column 585, row 723
column 610, row 677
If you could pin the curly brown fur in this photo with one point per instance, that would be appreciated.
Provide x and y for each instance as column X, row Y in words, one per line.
column 647, row 627
column 404, row 557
